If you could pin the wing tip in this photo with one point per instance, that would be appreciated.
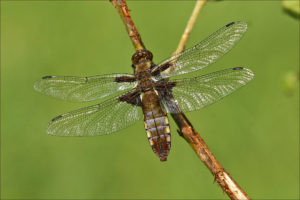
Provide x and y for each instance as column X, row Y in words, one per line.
column 238, row 68
column 243, row 25
column 247, row 71
column 49, row 130
column 231, row 23
column 56, row 118
column 47, row 77
column 38, row 84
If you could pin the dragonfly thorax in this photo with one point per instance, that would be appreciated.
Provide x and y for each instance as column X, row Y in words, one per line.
column 142, row 63
column 145, row 81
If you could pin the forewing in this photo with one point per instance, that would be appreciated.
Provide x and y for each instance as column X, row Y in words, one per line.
column 81, row 89
column 104, row 118
column 204, row 53
column 196, row 93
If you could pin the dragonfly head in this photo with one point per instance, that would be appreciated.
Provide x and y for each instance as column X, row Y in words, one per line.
column 140, row 57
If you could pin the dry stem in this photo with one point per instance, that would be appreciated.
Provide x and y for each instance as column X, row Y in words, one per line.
column 187, row 131
column 123, row 10
column 228, row 185
column 189, row 27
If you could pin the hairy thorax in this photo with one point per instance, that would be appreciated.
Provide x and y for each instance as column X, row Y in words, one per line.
column 144, row 78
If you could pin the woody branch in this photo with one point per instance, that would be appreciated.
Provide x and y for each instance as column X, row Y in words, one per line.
column 186, row 130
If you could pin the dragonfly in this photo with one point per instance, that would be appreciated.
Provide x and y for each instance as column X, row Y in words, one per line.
column 151, row 92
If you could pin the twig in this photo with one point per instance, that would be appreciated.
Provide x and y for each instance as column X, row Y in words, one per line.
column 189, row 27
column 187, row 131
column 123, row 10
column 228, row 185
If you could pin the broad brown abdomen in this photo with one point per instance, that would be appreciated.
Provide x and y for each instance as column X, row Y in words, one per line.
column 156, row 125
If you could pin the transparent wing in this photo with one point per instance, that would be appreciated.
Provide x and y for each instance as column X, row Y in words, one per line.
column 81, row 89
column 196, row 93
column 104, row 118
column 204, row 53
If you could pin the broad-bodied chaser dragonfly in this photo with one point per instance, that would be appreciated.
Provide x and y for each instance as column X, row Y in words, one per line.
column 149, row 88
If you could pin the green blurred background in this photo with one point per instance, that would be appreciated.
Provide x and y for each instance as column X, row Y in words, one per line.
column 253, row 132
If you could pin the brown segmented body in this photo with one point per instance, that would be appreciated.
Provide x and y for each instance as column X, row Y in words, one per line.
column 156, row 125
column 155, row 118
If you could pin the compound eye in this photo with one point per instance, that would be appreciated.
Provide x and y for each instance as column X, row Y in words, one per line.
column 141, row 54
column 149, row 55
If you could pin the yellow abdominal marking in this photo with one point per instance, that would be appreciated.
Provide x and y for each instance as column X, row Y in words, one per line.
column 151, row 142
column 166, row 120
column 168, row 138
column 167, row 129
column 149, row 134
